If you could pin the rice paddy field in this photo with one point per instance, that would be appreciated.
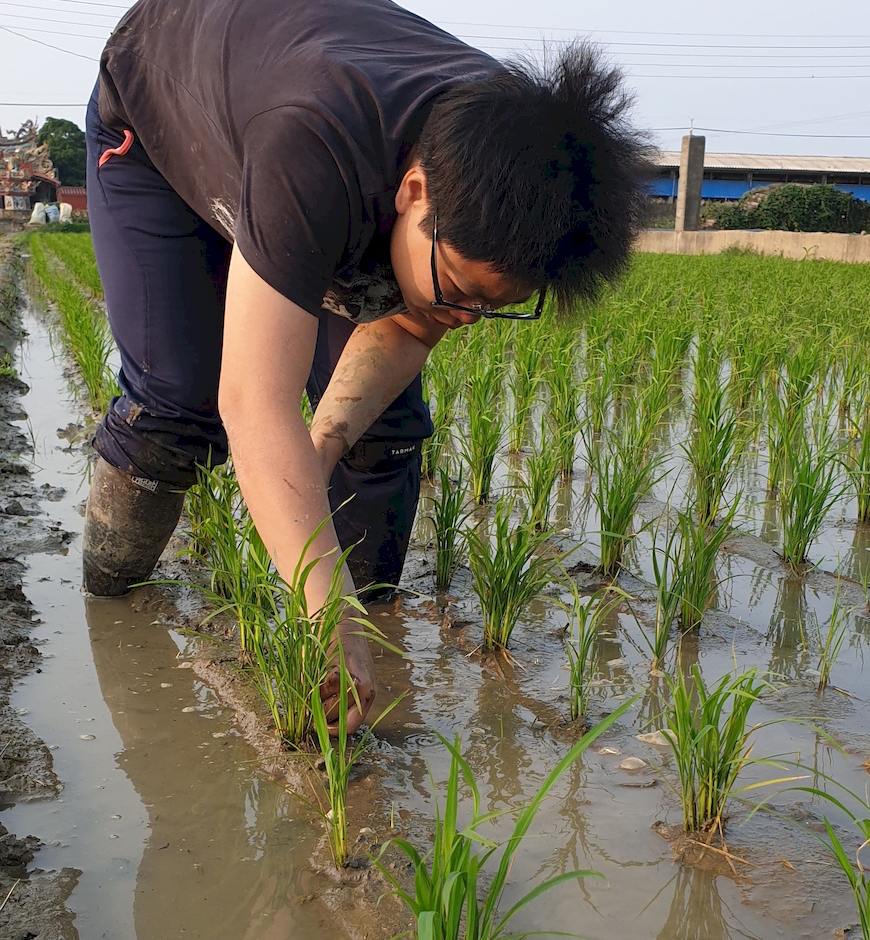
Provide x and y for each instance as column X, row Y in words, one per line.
column 623, row 690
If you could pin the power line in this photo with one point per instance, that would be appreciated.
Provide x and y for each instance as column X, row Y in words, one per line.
column 39, row 104
column 666, row 45
column 32, row 6
column 722, row 130
column 92, row 3
column 48, row 45
column 42, row 19
column 58, row 32
column 646, row 32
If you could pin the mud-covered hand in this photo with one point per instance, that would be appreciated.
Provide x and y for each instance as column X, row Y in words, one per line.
column 360, row 665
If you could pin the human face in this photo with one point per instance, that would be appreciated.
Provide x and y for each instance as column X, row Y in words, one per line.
column 460, row 280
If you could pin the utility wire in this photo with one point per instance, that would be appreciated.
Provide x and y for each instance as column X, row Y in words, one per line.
column 57, row 32
column 667, row 45
column 42, row 19
column 646, row 32
column 92, row 3
column 39, row 104
column 722, row 130
column 48, row 45
column 33, row 6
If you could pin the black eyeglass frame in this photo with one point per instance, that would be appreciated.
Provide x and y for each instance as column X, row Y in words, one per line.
column 480, row 310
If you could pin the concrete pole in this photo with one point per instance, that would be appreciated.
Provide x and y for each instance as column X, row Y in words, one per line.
column 689, row 190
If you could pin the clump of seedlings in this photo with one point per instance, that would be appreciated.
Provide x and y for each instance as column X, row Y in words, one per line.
column 84, row 327
column 667, row 576
column 586, row 617
column 539, row 478
column 831, row 640
column 856, row 456
column 625, row 473
column 442, row 386
column 849, row 853
column 340, row 755
column 524, row 381
column 709, row 731
column 485, row 424
column 695, row 581
column 448, row 517
column 564, row 403
column 450, row 900
column 509, row 569
column 810, row 489
column 714, row 447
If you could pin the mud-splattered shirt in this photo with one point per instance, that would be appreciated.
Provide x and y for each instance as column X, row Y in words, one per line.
column 286, row 124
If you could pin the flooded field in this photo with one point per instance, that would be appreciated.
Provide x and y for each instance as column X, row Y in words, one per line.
column 179, row 814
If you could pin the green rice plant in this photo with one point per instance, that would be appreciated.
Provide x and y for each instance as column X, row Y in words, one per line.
column 564, row 403
column 485, row 424
column 832, row 640
column 810, row 489
column 714, row 448
column 856, row 455
column 586, row 618
column 338, row 758
column 695, row 580
column 75, row 252
column 855, row 872
column 295, row 648
column 539, row 478
column 448, row 520
column 665, row 558
column 525, row 379
column 84, row 327
column 625, row 473
column 508, row 570
column 449, row 899
column 443, row 386
column 708, row 729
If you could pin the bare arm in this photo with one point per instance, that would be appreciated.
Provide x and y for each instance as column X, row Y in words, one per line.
column 378, row 362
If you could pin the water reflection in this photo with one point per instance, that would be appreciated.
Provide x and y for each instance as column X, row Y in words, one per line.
column 786, row 632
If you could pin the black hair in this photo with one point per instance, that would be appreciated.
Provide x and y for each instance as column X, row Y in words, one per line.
column 537, row 171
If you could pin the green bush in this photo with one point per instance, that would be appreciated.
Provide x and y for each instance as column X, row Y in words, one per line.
column 794, row 207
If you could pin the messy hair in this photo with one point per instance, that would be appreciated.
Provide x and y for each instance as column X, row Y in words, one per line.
column 537, row 171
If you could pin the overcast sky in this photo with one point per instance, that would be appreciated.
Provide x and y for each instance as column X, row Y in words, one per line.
column 795, row 68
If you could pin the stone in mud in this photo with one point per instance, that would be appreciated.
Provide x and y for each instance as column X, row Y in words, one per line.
column 607, row 750
column 656, row 738
column 632, row 764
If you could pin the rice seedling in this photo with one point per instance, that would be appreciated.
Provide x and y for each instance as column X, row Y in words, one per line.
column 485, row 424
column 695, row 581
column 714, row 446
column 708, row 729
column 832, row 640
column 850, row 854
column 564, row 401
column 856, row 455
column 75, row 252
column 294, row 648
column 509, row 570
column 448, row 519
column 541, row 472
column 449, row 899
column 667, row 576
column 810, row 489
column 525, row 379
column 443, row 385
column 84, row 328
column 585, row 618
column 625, row 473
column 338, row 758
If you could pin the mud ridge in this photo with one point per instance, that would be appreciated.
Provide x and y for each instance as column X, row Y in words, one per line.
column 33, row 902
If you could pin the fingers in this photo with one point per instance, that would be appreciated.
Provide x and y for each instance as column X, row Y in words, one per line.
column 356, row 713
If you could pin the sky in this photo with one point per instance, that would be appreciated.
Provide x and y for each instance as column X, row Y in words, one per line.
column 792, row 77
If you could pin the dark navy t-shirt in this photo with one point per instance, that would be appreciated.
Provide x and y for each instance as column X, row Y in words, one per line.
column 285, row 124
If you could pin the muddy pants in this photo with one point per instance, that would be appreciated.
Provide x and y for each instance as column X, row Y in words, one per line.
column 164, row 272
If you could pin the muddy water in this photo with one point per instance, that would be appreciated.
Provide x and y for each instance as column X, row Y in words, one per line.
column 163, row 808
column 178, row 833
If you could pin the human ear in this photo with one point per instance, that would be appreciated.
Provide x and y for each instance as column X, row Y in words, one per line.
column 412, row 189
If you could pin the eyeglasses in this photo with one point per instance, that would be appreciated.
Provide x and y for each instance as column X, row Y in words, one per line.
column 480, row 310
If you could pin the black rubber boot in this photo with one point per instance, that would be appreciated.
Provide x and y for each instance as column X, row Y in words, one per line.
column 127, row 526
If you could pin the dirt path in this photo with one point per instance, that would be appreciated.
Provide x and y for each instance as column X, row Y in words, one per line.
column 33, row 902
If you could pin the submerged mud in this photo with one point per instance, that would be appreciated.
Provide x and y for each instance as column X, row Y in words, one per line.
column 33, row 902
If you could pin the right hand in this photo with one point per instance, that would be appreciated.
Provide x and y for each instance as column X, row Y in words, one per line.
column 360, row 665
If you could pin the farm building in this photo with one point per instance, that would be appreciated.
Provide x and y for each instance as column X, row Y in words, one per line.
column 27, row 175
column 728, row 176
